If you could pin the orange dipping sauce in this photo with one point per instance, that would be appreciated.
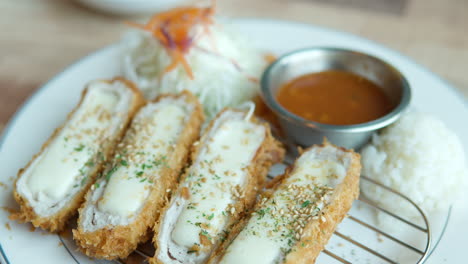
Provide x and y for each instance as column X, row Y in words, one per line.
column 334, row 98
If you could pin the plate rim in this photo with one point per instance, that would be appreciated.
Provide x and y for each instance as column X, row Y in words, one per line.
column 241, row 19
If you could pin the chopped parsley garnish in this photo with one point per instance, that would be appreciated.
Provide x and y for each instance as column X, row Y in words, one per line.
column 110, row 172
column 80, row 147
column 124, row 163
column 161, row 161
column 82, row 171
column 83, row 181
column 224, row 235
column 261, row 213
column 205, row 233
column 210, row 216
column 146, row 166
column 96, row 185
column 90, row 163
column 139, row 173
column 305, row 204
column 142, row 180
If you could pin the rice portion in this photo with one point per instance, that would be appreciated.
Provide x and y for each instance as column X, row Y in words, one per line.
column 223, row 63
column 419, row 157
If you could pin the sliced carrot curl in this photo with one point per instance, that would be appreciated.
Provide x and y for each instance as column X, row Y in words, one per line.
column 173, row 29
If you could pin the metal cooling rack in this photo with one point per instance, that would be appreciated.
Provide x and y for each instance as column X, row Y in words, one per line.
column 425, row 230
column 144, row 252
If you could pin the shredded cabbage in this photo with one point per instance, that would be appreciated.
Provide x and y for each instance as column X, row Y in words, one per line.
column 223, row 64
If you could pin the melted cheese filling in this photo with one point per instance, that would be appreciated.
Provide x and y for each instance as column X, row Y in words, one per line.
column 274, row 229
column 63, row 167
column 130, row 184
column 197, row 218
column 219, row 168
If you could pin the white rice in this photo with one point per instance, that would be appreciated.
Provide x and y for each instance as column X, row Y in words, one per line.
column 419, row 157
column 218, row 82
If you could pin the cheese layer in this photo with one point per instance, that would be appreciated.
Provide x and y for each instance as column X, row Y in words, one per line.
column 151, row 140
column 219, row 169
column 278, row 224
column 63, row 167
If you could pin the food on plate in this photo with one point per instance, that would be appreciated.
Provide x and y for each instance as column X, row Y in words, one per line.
column 187, row 49
column 294, row 219
column 419, row 157
column 123, row 204
column 355, row 99
column 230, row 163
column 52, row 185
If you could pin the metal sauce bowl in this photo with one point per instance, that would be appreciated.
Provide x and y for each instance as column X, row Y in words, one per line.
column 305, row 132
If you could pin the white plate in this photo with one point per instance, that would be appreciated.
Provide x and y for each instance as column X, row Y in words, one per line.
column 47, row 108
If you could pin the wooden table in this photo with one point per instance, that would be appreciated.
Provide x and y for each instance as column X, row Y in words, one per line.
column 38, row 39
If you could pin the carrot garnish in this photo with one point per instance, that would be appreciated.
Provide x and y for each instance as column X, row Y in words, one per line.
column 174, row 30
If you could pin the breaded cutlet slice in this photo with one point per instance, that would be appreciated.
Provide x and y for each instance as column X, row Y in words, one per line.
column 293, row 221
column 51, row 187
column 125, row 202
column 229, row 166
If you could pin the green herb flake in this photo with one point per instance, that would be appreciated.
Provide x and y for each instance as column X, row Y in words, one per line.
column 83, row 181
column 124, row 163
column 101, row 156
column 305, row 204
column 139, row 173
column 143, row 180
column 205, row 233
column 261, row 213
column 161, row 162
column 211, row 216
column 110, row 172
column 96, row 185
column 79, row 148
